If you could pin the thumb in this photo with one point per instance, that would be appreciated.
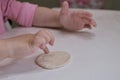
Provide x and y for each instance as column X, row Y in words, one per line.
column 65, row 7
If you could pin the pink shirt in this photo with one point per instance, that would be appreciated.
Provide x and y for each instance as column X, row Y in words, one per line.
column 22, row 13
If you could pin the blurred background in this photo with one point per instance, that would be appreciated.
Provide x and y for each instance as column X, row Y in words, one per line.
column 94, row 4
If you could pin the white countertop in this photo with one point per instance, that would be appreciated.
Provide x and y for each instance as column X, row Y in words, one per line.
column 95, row 53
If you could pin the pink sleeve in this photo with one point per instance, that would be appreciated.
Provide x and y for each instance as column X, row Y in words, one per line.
column 22, row 13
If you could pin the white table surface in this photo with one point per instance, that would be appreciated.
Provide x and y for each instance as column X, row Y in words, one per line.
column 95, row 53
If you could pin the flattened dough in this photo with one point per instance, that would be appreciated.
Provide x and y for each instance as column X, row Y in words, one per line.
column 52, row 60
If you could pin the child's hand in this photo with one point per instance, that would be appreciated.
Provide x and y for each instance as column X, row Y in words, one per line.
column 24, row 45
column 75, row 20
column 42, row 38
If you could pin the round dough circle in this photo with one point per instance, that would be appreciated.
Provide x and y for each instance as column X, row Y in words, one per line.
column 52, row 60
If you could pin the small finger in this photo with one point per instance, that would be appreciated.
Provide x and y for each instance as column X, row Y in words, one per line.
column 79, row 23
column 94, row 23
column 84, row 13
column 89, row 21
column 39, row 40
column 47, row 38
column 52, row 38
column 65, row 7
column 43, row 44
column 46, row 50
column 88, row 26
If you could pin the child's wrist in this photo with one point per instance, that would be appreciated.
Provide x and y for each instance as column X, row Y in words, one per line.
column 8, row 47
column 3, row 48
